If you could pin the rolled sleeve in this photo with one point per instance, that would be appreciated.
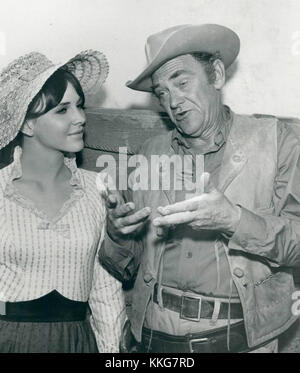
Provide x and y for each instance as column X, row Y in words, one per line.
column 121, row 260
column 250, row 231
column 252, row 236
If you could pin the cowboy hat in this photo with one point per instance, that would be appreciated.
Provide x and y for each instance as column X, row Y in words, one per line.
column 24, row 77
column 184, row 39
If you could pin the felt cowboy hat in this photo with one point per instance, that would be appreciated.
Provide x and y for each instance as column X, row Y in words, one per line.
column 24, row 77
column 184, row 39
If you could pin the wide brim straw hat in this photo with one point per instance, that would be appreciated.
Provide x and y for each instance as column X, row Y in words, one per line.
column 24, row 77
column 184, row 39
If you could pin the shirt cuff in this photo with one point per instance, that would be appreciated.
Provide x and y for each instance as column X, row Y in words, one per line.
column 116, row 258
column 250, row 232
column 123, row 244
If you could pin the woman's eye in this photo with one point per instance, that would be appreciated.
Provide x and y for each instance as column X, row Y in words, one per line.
column 62, row 111
column 81, row 106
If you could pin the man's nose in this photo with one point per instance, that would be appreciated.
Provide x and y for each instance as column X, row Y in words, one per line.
column 175, row 99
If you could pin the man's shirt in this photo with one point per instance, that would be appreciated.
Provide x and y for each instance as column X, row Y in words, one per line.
column 199, row 263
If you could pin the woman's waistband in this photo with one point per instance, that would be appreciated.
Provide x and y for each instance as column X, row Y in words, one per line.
column 52, row 307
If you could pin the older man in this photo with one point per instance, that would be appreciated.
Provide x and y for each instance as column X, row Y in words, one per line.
column 215, row 270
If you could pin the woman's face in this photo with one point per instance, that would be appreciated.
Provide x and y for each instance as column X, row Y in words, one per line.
column 62, row 127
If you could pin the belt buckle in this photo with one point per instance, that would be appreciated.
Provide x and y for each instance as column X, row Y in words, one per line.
column 182, row 316
column 195, row 340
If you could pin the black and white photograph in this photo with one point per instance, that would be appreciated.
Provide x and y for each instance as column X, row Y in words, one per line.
column 149, row 179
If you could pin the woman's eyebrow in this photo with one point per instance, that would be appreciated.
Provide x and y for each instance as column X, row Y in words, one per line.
column 64, row 103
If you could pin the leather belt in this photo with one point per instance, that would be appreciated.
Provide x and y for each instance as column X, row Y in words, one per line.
column 209, row 341
column 194, row 308
column 52, row 307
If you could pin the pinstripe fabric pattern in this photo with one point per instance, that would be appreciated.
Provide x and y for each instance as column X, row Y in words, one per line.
column 38, row 255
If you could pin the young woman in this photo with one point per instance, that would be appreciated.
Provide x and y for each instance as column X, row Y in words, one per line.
column 55, row 296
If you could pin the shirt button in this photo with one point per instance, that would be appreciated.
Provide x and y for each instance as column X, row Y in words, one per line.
column 238, row 272
column 189, row 255
column 236, row 158
column 147, row 277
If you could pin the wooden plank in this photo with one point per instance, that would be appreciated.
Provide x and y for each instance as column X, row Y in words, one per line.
column 109, row 129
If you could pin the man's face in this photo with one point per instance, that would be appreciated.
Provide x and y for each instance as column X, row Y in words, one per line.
column 184, row 91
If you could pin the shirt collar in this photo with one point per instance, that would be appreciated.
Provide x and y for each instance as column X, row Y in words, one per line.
column 220, row 136
column 16, row 170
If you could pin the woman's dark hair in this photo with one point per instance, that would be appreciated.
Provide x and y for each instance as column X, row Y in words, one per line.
column 52, row 93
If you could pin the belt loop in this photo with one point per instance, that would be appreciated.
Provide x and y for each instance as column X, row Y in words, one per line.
column 215, row 315
column 159, row 296
column 2, row 308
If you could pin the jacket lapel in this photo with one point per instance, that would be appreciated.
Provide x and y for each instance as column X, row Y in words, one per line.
column 234, row 158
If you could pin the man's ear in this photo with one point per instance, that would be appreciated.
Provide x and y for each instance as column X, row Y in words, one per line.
column 27, row 127
column 219, row 74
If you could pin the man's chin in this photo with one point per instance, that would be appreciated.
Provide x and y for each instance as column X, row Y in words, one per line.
column 186, row 133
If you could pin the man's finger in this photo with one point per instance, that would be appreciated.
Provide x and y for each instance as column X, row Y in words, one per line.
column 122, row 210
column 179, row 218
column 135, row 218
column 161, row 231
column 183, row 206
column 208, row 184
column 111, row 201
column 131, row 228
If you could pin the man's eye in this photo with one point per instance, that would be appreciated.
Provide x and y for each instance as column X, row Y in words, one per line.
column 183, row 83
column 161, row 94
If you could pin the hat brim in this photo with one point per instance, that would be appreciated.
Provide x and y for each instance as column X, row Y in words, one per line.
column 90, row 67
column 207, row 38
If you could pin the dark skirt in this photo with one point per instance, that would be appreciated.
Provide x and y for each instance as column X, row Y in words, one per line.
column 44, row 337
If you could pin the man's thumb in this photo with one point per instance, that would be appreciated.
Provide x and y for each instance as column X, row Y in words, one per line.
column 208, row 184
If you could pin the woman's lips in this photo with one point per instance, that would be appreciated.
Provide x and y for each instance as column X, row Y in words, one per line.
column 79, row 132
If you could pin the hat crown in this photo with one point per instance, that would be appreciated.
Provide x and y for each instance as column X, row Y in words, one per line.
column 156, row 41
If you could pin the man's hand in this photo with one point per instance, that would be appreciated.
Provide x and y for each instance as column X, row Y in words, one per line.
column 122, row 219
column 211, row 210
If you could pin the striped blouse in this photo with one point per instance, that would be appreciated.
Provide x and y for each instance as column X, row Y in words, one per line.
column 38, row 255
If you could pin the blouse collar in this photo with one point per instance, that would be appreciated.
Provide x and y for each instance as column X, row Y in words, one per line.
column 69, row 160
column 78, row 191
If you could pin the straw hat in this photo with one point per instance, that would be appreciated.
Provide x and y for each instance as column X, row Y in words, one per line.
column 184, row 39
column 23, row 78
